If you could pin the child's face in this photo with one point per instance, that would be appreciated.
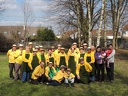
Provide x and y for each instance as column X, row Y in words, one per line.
column 68, row 72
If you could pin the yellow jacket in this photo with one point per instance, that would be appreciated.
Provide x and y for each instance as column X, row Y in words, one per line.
column 58, row 58
column 93, row 52
column 76, row 56
column 89, row 55
column 56, row 53
column 11, row 56
column 47, row 71
column 37, row 72
column 70, row 75
column 76, row 51
column 47, row 58
column 60, row 76
column 18, row 56
column 27, row 60
column 88, row 68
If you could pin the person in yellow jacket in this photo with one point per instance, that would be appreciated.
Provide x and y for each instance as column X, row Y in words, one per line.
column 50, row 72
column 30, row 45
column 90, row 59
column 26, row 65
column 50, row 56
column 38, row 74
column 59, row 77
column 83, row 71
column 18, row 62
column 57, row 51
column 72, row 60
column 35, row 60
column 70, row 78
column 76, row 50
column 62, row 58
column 43, row 56
column 11, row 53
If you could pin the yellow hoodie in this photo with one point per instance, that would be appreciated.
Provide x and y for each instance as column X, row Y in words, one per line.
column 88, row 68
column 11, row 56
column 18, row 56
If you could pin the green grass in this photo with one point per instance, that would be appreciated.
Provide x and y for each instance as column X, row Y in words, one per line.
column 119, row 87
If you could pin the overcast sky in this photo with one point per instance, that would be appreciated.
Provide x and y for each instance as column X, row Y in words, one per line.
column 14, row 13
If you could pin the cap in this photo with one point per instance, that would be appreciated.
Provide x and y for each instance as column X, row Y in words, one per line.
column 14, row 45
column 62, row 48
column 81, row 58
column 81, row 48
column 21, row 45
column 85, row 44
column 36, row 47
column 50, row 63
column 52, row 47
column 74, row 43
column 62, row 66
column 59, row 45
column 30, row 43
column 89, row 48
column 41, row 46
column 68, row 69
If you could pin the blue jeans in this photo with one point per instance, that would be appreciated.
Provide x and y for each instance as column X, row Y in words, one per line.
column 25, row 76
column 54, row 83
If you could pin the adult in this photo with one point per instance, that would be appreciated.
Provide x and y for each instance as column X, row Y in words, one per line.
column 85, row 46
column 38, row 74
column 35, row 60
column 26, row 65
column 11, row 53
column 50, row 72
column 72, row 60
column 50, row 56
column 90, row 59
column 83, row 71
column 99, row 57
column 60, row 76
column 110, row 59
column 62, row 58
column 18, row 62
column 30, row 45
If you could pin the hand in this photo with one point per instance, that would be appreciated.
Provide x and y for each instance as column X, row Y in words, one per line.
column 78, row 77
column 49, row 78
column 40, row 75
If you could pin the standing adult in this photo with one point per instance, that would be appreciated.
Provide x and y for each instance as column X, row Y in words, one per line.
column 26, row 65
column 18, row 62
column 85, row 46
column 90, row 59
column 110, row 59
column 11, row 53
column 62, row 58
column 30, row 45
column 100, row 64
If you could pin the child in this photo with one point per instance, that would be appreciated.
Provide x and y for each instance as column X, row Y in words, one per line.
column 108, row 52
column 70, row 78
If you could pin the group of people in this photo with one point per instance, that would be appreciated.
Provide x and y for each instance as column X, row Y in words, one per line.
column 81, row 65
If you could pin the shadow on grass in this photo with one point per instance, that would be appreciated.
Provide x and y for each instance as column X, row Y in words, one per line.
column 123, row 79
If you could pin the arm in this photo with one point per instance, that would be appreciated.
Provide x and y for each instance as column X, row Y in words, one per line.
column 78, row 69
column 46, row 71
column 92, row 58
column 88, row 67
column 97, row 57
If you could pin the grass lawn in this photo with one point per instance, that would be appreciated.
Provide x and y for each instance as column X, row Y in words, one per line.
column 119, row 87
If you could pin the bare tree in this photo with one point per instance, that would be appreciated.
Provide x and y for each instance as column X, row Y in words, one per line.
column 117, row 8
column 101, row 21
column 28, row 17
column 105, row 24
column 2, row 8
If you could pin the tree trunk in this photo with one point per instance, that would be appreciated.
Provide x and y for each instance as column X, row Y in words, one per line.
column 101, row 21
column 89, row 24
column 105, row 25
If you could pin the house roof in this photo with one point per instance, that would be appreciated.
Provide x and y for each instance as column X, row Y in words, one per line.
column 125, row 27
column 94, row 32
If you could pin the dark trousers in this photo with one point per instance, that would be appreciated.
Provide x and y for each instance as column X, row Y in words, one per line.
column 54, row 83
column 39, row 80
column 100, row 69
column 110, row 71
column 11, row 69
